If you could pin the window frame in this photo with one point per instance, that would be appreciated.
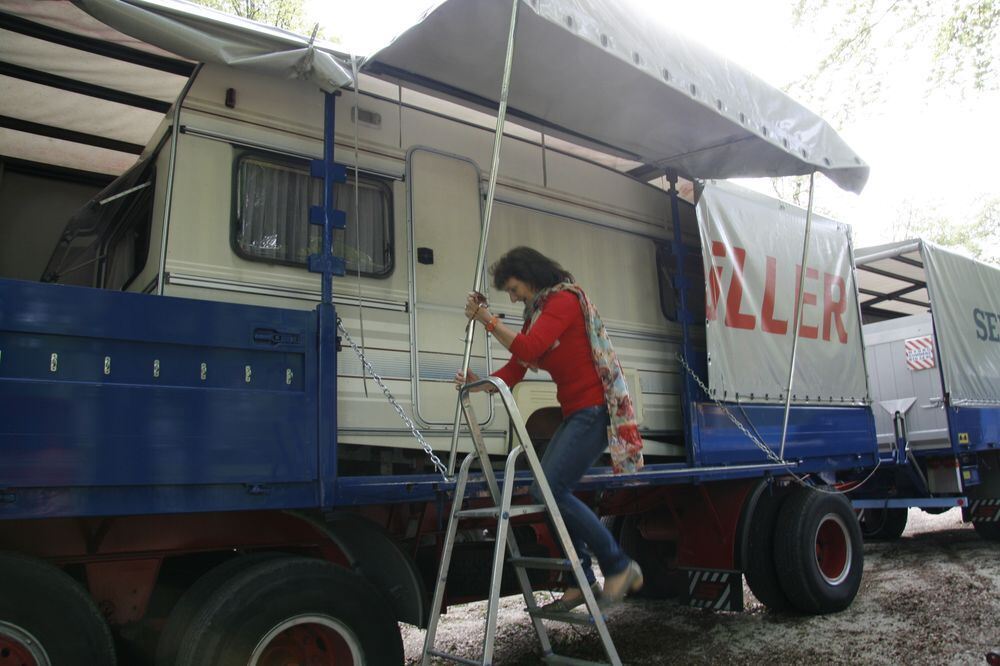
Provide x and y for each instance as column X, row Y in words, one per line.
column 381, row 183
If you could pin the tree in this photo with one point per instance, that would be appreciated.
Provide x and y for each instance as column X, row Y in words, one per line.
column 980, row 238
column 870, row 39
column 286, row 14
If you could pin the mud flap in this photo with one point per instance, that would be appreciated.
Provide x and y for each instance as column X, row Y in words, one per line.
column 715, row 590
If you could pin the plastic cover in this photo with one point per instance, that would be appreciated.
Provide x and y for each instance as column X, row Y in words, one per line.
column 965, row 300
column 207, row 36
column 592, row 70
column 752, row 250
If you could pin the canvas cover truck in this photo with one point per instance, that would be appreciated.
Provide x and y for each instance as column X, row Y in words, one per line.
column 197, row 452
column 931, row 337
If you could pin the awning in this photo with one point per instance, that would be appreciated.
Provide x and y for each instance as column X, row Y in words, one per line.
column 591, row 71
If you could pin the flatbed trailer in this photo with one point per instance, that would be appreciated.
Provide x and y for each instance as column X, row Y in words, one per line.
column 189, row 454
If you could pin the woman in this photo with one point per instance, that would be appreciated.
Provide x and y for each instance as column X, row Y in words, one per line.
column 564, row 335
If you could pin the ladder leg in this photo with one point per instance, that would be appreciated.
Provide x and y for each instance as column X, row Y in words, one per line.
column 449, row 545
column 514, row 548
column 564, row 539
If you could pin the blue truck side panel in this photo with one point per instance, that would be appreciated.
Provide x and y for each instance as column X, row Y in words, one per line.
column 974, row 428
column 89, row 428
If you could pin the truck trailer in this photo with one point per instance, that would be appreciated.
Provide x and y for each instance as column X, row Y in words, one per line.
column 227, row 400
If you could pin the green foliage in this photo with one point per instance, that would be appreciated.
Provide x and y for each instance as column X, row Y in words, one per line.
column 286, row 14
column 870, row 40
column 979, row 237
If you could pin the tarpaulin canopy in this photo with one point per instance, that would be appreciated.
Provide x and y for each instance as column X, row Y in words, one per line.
column 592, row 70
column 751, row 249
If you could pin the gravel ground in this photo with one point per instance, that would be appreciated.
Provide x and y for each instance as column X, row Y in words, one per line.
column 933, row 597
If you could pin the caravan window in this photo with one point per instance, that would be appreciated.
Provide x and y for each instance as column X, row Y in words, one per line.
column 272, row 200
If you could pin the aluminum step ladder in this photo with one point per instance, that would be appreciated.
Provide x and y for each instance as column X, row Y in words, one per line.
column 506, row 544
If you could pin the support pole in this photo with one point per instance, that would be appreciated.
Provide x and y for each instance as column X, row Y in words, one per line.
column 798, row 314
column 477, row 283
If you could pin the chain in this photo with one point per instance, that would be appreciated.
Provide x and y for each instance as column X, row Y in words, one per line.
column 760, row 445
column 756, row 440
column 438, row 465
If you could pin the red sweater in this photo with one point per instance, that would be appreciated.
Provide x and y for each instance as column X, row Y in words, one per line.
column 570, row 362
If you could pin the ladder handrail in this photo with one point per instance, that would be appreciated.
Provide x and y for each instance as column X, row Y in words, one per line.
column 510, row 406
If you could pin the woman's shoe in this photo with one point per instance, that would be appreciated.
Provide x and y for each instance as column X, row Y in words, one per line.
column 572, row 598
column 617, row 586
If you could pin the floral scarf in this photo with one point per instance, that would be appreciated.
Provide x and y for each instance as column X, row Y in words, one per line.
column 624, row 441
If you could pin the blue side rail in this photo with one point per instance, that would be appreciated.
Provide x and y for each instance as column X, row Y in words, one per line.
column 119, row 403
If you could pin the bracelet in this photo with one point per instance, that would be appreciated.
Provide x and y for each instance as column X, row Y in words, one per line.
column 492, row 324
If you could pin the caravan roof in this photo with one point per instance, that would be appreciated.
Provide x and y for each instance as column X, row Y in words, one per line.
column 584, row 70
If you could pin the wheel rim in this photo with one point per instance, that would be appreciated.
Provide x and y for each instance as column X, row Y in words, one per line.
column 833, row 549
column 317, row 640
column 19, row 648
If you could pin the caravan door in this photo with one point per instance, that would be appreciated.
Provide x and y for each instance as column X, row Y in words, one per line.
column 445, row 219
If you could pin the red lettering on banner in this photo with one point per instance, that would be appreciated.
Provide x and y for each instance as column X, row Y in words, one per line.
column 808, row 298
column 767, row 321
column 833, row 310
column 714, row 283
column 735, row 318
column 834, row 304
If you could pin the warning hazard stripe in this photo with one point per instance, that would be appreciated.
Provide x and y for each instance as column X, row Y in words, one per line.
column 696, row 577
column 982, row 508
column 920, row 353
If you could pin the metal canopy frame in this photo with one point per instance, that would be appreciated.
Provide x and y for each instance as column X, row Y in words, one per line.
column 887, row 281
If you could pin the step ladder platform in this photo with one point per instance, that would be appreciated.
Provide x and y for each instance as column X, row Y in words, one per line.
column 567, row 617
column 571, row 661
column 494, row 511
column 455, row 658
column 549, row 563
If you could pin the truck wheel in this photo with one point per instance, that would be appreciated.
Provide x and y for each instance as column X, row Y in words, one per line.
column 195, row 597
column 758, row 563
column 988, row 531
column 818, row 551
column 293, row 610
column 883, row 524
column 47, row 618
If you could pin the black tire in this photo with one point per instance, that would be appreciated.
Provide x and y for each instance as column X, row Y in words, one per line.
column 39, row 601
column 343, row 615
column 818, row 551
column 988, row 531
column 758, row 561
column 883, row 524
column 661, row 580
column 195, row 597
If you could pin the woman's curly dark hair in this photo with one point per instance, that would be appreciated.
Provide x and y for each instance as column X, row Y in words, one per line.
column 530, row 266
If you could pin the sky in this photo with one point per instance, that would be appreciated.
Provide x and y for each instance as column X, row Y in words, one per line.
column 930, row 152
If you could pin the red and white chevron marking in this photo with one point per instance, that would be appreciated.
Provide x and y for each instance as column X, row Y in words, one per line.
column 920, row 352
column 985, row 511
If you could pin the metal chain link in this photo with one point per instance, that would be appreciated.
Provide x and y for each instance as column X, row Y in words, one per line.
column 760, row 444
column 438, row 465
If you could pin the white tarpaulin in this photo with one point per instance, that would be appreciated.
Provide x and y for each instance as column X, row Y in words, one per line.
column 965, row 301
column 752, row 250
column 593, row 70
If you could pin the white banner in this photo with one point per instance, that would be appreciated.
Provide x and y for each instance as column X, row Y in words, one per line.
column 752, row 250
column 965, row 300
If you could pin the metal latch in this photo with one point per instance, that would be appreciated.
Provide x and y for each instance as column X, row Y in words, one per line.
column 273, row 337
column 258, row 489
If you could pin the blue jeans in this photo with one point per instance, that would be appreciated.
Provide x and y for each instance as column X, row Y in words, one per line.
column 574, row 448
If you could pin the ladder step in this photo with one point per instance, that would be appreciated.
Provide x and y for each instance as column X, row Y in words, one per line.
column 569, row 617
column 494, row 511
column 572, row 661
column 454, row 657
column 541, row 563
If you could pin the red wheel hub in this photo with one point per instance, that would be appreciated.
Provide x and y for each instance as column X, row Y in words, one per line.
column 308, row 644
column 15, row 653
column 833, row 549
